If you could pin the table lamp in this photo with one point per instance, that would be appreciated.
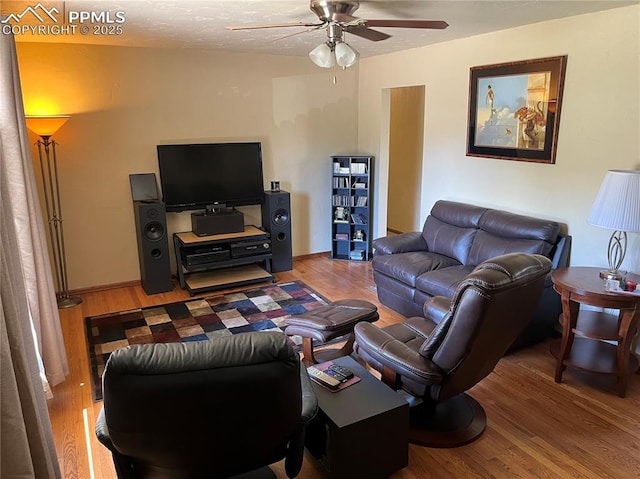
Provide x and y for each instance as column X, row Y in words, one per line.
column 617, row 207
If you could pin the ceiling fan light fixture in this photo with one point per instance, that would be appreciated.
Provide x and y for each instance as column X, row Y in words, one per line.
column 322, row 55
column 346, row 55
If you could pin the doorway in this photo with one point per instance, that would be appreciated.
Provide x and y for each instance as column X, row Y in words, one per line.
column 406, row 142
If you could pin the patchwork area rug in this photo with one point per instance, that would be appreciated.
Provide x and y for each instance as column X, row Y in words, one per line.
column 259, row 309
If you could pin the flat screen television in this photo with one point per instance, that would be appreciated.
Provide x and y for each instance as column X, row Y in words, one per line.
column 200, row 176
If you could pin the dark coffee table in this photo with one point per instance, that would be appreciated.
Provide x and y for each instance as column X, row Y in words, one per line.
column 360, row 431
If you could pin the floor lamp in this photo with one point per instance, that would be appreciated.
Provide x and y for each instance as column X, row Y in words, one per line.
column 45, row 127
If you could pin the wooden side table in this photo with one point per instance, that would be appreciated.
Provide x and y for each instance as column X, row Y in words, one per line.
column 584, row 333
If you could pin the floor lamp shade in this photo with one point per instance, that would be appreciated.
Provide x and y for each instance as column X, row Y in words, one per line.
column 45, row 127
column 617, row 207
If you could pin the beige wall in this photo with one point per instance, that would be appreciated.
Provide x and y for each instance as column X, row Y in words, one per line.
column 598, row 129
column 125, row 101
column 406, row 127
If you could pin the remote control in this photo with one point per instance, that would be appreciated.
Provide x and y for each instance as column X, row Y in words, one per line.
column 323, row 378
column 344, row 372
column 336, row 375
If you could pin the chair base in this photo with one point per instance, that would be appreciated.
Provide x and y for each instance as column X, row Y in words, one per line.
column 311, row 356
column 452, row 423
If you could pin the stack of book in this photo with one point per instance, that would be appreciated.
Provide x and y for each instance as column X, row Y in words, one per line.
column 356, row 254
column 359, row 168
column 339, row 169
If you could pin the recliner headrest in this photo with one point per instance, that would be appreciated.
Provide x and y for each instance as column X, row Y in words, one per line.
column 230, row 351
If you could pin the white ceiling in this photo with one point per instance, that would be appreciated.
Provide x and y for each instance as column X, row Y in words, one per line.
column 200, row 23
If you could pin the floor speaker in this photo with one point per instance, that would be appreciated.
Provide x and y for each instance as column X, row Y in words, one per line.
column 153, row 246
column 276, row 219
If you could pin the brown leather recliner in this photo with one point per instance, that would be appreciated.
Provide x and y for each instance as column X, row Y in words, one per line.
column 458, row 343
column 215, row 409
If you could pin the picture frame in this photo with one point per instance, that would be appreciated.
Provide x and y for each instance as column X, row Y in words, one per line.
column 514, row 109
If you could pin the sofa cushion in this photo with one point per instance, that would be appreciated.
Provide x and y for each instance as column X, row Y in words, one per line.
column 458, row 214
column 511, row 225
column 503, row 232
column 448, row 240
column 450, row 227
column 487, row 246
column 443, row 282
column 397, row 288
column 406, row 267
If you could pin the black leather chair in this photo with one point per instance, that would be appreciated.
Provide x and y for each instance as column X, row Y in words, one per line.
column 211, row 409
column 436, row 358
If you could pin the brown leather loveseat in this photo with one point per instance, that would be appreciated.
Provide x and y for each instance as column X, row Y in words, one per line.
column 411, row 268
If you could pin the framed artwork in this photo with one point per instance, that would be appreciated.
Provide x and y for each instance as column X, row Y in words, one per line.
column 514, row 109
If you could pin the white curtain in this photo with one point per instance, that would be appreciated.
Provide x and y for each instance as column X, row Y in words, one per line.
column 27, row 297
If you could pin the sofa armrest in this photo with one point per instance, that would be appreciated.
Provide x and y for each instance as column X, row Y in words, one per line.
column 309, row 400
column 401, row 243
column 560, row 257
column 390, row 352
column 436, row 308
column 295, row 453
column 102, row 431
column 122, row 463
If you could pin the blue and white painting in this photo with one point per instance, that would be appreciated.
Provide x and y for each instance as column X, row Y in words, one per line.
column 511, row 111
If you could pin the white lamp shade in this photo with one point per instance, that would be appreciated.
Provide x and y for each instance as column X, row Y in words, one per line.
column 322, row 56
column 346, row 55
column 617, row 205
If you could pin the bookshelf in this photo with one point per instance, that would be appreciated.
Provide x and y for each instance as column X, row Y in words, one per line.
column 351, row 206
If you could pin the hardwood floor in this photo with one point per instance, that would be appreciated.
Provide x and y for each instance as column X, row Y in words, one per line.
column 536, row 428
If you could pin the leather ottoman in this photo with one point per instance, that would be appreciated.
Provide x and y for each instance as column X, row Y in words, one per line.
column 329, row 322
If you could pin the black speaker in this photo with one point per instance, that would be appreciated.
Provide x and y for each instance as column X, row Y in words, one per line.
column 153, row 246
column 276, row 219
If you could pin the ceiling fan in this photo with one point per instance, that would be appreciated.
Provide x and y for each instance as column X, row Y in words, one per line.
column 336, row 17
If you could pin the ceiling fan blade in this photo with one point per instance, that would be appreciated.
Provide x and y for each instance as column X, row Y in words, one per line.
column 295, row 33
column 365, row 32
column 274, row 25
column 432, row 24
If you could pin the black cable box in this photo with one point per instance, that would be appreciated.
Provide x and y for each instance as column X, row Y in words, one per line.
column 212, row 256
column 250, row 248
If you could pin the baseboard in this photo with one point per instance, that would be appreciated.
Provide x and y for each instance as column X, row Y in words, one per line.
column 128, row 284
column 311, row 256
column 106, row 287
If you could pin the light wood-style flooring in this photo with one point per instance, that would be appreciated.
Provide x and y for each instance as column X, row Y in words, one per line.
column 536, row 428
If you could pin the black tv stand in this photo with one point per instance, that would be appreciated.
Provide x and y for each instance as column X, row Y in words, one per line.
column 222, row 262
